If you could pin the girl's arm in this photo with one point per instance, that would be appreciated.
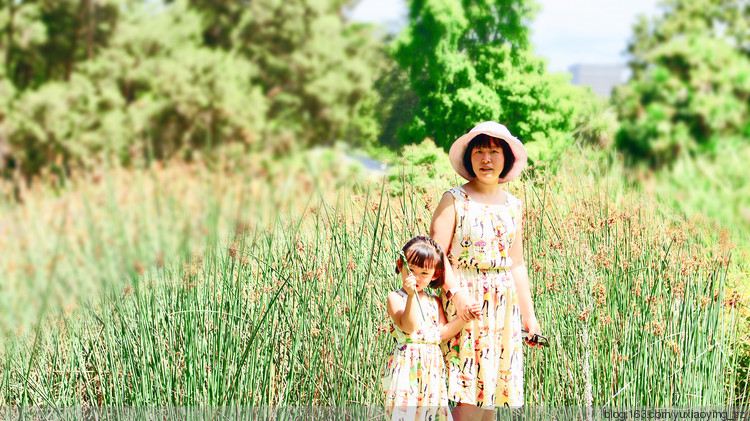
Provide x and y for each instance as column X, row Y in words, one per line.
column 404, row 313
column 441, row 230
column 521, row 279
column 448, row 330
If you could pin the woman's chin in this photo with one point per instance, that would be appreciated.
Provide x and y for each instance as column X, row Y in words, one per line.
column 487, row 178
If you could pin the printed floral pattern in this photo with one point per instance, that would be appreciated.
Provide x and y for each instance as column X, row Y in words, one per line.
column 485, row 360
column 414, row 377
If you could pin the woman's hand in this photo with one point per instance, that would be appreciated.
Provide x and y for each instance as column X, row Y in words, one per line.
column 532, row 325
column 467, row 308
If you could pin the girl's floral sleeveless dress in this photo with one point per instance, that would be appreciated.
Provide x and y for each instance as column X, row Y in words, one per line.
column 414, row 377
column 485, row 361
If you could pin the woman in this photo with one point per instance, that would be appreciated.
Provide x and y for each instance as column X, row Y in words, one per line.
column 480, row 226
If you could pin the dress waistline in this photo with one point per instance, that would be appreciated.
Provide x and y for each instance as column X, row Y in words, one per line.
column 463, row 264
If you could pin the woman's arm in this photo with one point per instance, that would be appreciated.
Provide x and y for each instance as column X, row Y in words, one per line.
column 521, row 279
column 448, row 329
column 441, row 230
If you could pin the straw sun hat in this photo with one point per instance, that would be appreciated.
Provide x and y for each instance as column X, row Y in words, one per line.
column 495, row 130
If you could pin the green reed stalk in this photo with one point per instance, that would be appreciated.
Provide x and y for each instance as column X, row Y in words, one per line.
column 299, row 305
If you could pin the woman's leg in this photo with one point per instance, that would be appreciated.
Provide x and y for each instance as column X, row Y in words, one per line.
column 488, row 415
column 466, row 412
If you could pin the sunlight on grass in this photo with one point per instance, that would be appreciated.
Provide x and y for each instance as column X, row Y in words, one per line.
column 290, row 309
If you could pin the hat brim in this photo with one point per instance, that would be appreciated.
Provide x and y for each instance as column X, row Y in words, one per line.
column 456, row 154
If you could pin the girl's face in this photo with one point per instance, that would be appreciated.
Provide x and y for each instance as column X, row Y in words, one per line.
column 487, row 163
column 424, row 275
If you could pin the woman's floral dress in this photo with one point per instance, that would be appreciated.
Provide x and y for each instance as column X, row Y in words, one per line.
column 485, row 361
column 414, row 377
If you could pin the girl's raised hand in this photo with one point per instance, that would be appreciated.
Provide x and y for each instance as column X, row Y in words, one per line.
column 410, row 284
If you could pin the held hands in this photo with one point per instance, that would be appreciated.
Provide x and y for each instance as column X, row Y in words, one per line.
column 467, row 307
column 474, row 310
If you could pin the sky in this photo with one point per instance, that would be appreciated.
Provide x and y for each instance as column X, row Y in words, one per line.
column 565, row 32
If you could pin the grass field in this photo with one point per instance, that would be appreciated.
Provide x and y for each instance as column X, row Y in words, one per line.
column 189, row 286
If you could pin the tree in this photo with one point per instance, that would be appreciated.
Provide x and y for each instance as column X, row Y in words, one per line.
column 6, row 93
column 316, row 69
column 157, row 89
column 89, row 80
column 471, row 61
column 44, row 40
column 691, row 81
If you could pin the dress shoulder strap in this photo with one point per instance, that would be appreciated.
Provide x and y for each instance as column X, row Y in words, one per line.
column 459, row 194
column 460, row 201
column 401, row 293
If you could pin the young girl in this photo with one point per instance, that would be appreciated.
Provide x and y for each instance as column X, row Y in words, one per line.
column 414, row 378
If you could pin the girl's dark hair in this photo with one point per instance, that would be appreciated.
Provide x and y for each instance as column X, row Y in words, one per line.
column 483, row 141
column 424, row 252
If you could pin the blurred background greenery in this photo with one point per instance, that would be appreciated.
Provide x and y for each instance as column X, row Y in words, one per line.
column 91, row 81
column 167, row 94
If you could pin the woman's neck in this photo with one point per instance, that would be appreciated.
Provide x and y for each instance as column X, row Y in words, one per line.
column 483, row 188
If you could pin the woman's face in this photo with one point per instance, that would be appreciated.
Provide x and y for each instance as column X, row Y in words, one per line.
column 487, row 163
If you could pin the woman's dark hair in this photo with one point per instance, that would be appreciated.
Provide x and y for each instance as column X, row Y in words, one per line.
column 484, row 141
column 424, row 252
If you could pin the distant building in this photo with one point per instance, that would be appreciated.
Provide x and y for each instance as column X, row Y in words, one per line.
column 600, row 77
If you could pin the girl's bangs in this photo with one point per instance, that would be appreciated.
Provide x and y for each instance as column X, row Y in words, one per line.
column 423, row 255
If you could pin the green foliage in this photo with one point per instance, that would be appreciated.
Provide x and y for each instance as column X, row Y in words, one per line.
column 422, row 167
column 275, row 313
column 396, row 100
column 86, row 81
column 597, row 123
column 470, row 62
column 717, row 186
column 183, row 95
column 316, row 70
column 45, row 40
column 157, row 89
column 691, row 81
column 75, row 122
column 719, row 19
column 7, row 91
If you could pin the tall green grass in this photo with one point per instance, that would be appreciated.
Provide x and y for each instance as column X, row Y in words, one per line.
column 61, row 244
column 636, row 306
column 291, row 310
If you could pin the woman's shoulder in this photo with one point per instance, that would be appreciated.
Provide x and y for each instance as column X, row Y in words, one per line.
column 457, row 192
